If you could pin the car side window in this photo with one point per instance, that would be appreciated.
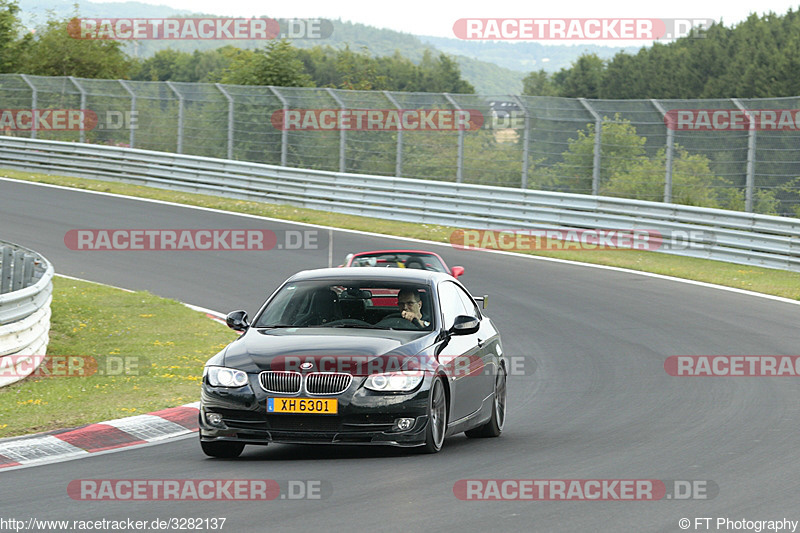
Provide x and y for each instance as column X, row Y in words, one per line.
column 451, row 303
column 469, row 303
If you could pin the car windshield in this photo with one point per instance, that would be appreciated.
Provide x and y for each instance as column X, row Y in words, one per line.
column 400, row 260
column 361, row 304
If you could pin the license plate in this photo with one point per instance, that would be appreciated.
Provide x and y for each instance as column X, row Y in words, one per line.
column 322, row 406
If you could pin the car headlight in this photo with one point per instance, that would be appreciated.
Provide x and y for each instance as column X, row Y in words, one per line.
column 394, row 381
column 220, row 376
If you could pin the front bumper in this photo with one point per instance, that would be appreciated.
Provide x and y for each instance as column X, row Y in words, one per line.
column 364, row 417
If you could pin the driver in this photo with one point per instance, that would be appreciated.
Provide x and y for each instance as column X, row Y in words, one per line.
column 410, row 304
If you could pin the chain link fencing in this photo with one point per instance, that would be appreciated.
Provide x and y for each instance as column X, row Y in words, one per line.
column 691, row 152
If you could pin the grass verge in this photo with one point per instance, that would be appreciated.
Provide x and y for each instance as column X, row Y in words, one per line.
column 765, row 280
column 149, row 351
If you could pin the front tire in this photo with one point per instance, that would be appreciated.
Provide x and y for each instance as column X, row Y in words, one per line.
column 437, row 418
column 494, row 427
column 222, row 449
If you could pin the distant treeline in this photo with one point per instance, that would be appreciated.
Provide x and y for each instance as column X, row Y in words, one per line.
column 51, row 51
column 758, row 58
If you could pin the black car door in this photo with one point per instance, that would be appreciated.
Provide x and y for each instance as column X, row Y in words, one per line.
column 461, row 355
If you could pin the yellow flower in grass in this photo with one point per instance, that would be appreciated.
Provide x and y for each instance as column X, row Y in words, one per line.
column 37, row 401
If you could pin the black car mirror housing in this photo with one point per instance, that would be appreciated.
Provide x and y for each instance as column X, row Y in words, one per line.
column 237, row 320
column 465, row 325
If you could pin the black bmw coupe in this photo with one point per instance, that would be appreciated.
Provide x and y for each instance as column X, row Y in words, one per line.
column 357, row 356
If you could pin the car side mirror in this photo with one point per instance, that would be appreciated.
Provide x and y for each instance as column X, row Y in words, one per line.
column 457, row 271
column 237, row 320
column 465, row 325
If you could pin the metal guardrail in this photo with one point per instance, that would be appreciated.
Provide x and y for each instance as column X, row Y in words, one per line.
column 26, row 286
column 516, row 141
column 730, row 236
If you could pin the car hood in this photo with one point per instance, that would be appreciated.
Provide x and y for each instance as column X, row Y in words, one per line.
column 280, row 349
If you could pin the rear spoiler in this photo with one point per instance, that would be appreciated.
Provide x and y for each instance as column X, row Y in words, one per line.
column 482, row 300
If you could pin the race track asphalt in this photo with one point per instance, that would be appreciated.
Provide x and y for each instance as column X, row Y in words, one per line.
column 591, row 400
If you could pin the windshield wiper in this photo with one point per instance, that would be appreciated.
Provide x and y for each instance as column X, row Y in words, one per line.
column 275, row 326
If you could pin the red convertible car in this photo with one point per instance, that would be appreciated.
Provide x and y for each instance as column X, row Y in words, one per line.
column 417, row 259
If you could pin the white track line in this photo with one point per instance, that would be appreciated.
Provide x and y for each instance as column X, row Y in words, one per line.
column 431, row 243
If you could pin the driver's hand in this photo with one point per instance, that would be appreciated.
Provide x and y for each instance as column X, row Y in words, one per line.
column 408, row 315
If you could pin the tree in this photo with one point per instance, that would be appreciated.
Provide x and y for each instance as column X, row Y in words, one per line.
column 12, row 46
column 539, row 84
column 583, row 79
column 173, row 65
column 54, row 52
column 358, row 71
column 278, row 63
column 693, row 182
column 620, row 148
column 441, row 75
column 627, row 172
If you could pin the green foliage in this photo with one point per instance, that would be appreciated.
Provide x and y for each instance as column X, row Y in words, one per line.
column 693, row 183
column 174, row 65
column 621, row 149
column 346, row 69
column 756, row 59
column 278, row 63
column 539, row 84
column 53, row 52
column 12, row 44
column 628, row 172
column 583, row 79
column 441, row 75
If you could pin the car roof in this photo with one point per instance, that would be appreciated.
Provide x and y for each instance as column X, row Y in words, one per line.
column 372, row 273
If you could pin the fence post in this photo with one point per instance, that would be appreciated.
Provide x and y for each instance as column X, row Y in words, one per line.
column 525, row 151
column 230, row 119
column 398, row 166
column 34, row 100
column 670, row 150
column 751, row 156
column 180, row 116
column 460, row 164
column 342, row 136
column 598, row 131
column 133, row 111
column 82, row 134
column 284, row 131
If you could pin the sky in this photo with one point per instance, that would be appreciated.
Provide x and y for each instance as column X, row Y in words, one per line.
column 427, row 17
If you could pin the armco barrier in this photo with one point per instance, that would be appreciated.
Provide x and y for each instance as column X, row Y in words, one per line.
column 26, row 286
column 730, row 236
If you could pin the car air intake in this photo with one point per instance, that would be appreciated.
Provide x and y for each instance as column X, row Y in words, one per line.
column 327, row 382
column 280, row 381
